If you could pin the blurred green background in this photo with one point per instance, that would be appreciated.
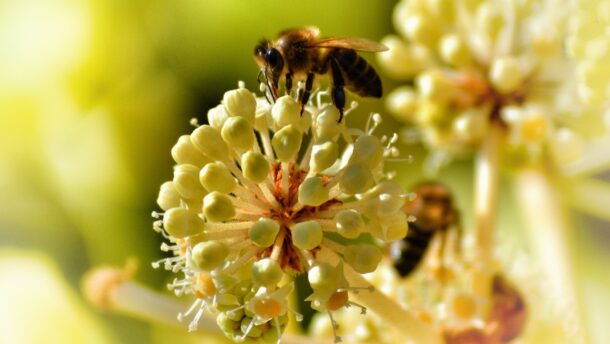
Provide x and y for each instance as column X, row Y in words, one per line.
column 93, row 94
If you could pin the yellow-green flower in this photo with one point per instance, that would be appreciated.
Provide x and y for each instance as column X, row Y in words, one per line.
column 257, row 193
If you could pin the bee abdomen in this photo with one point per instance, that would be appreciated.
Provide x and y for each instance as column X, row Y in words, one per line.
column 360, row 77
column 412, row 250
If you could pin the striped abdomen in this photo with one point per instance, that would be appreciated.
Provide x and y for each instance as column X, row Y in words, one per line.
column 409, row 251
column 359, row 76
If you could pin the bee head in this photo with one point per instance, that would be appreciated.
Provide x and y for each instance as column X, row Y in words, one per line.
column 268, row 57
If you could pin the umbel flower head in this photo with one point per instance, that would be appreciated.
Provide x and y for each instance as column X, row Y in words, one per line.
column 258, row 194
column 471, row 64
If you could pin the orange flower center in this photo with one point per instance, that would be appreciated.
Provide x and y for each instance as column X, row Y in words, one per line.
column 267, row 308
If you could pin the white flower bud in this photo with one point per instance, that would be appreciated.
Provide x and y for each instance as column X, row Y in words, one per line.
column 240, row 102
column 489, row 19
column 323, row 156
column 470, row 126
column 186, row 181
column 181, row 223
column 238, row 133
column 435, row 86
column 312, row 192
column 364, row 258
column 395, row 228
column 403, row 60
column 208, row 255
column 454, row 51
column 402, row 103
column 349, row 223
column 388, row 204
column 255, row 166
column 327, row 124
column 184, row 152
column 286, row 142
column 422, row 29
column 357, row 178
column 266, row 272
column 168, row 196
column 215, row 176
column 322, row 276
column 286, row 111
column 505, row 74
column 218, row 207
column 368, row 150
column 263, row 232
column 217, row 116
column 307, row 235
column 210, row 143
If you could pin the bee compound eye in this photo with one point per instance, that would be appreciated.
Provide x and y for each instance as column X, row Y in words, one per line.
column 273, row 57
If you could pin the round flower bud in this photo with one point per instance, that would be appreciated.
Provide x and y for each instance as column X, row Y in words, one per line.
column 255, row 331
column 168, row 196
column 180, row 223
column 312, row 192
column 216, row 176
column 238, row 133
column 364, row 258
column 435, row 86
column 286, row 111
column 357, row 178
column 186, row 181
column 470, row 126
column 263, row 119
column 327, row 124
column 396, row 228
column 388, row 204
column 368, row 150
column 402, row 103
column 217, row 116
column 323, row 156
column 286, row 142
column 403, row 60
column 266, row 272
column 208, row 255
column 421, row 29
column 489, row 19
column 505, row 74
column 255, row 166
column 464, row 306
column 454, row 51
column 210, row 143
column 226, row 324
column 264, row 231
column 566, row 146
column 322, row 276
column 218, row 207
column 431, row 113
column 240, row 102
column 349, row 223
column 307, row 235
column 184, row 152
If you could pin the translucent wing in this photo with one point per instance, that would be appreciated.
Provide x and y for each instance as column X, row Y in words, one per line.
column 358, row 44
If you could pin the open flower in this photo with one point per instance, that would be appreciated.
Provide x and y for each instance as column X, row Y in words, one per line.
column 479, row 63
column 258, row 192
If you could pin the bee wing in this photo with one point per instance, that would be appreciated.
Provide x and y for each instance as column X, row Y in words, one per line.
column 358, row 44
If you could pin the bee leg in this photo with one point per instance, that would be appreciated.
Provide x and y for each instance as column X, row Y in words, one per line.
column 304, row 97
column 338, row 93
column 288, row 83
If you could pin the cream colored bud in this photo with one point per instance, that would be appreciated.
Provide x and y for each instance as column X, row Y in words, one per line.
column 208, row 255
column 217, row 116
column 368, row 150
column 181, row 223
column 422, row 29
column 402, row 103
column 238, row 133
column 209, row 142
column 286, row 142
column 240, row 102
column 435, row 86
column 454, row 51
column 184, row 152
column 218, row 207
column 168, row 196
column 364, row 258
column 324, row 156
column 403, row 60
column 312, row 192
column 506, row 74
column 489, row 19
column 286, row 111
column 255, row 166
column 186, row 181
column 216, row 176
column 357, row 178
column 327, row 124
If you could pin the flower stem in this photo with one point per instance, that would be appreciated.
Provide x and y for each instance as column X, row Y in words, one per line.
column 406, row 324
column 548, row 235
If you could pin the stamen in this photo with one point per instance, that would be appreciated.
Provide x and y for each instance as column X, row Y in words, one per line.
column 335, row 327
column 241, row 260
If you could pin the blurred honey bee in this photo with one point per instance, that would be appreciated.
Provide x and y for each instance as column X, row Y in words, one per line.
column 301, row 53
column 434, row 212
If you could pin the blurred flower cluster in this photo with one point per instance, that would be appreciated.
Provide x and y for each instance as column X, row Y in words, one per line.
column 470, row 64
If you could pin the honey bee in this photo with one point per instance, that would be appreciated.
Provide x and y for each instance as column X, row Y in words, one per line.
column 301, row 53
column 434, row 212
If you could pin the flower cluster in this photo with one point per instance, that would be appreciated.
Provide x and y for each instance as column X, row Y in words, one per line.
column 478, row 63
column 258, row 194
